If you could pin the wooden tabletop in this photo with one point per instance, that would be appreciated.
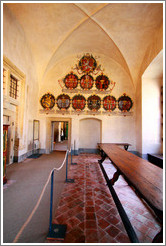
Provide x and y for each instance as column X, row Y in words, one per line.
column 146, row 177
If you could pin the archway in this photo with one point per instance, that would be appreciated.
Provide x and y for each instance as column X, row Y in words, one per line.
column 89, row 135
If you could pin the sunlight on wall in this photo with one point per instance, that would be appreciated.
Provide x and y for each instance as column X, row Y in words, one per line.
column 151, row 107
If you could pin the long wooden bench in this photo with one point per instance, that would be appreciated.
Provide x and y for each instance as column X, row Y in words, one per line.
column 146, row 178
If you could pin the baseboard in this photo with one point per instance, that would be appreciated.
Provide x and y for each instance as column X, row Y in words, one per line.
column 29, row 153
column 88, row 151
column 143, row 156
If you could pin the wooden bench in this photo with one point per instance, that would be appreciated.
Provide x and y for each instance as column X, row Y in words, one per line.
column 146, row 178
column 125, row 145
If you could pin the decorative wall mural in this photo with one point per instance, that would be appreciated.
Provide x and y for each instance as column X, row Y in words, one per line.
column 94, row 102
column 47, row 101
column 86, row 82
column 88, row 69
column 109, row 103
column 125, row 103
column 87, row 66
column 102, row 82
column 63, row 101
column 78, row 102
column 71, row 81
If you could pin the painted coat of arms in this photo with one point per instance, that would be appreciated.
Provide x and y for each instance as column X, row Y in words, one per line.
column 63, row 101
column 47, row 101
column 94, row 102
column 86, row 82
column 102, row 82
column 71, row 81
column 78, row 102
column 125, row 103
column 109, row 103
column 87, row 64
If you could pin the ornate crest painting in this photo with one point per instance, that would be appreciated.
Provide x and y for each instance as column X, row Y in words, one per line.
column 94, row 102
column 71, row 81
column 63, row 101
column 102, row 82
column 86, row 82
column 47, row 101
column 87, row 63
column 78, row 102
column 109, row 103
column 125, row 103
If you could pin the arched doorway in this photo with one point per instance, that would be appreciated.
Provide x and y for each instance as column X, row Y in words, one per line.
column 89, row 135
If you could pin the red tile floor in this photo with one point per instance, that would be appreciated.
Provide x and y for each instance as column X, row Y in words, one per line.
column 88, row 209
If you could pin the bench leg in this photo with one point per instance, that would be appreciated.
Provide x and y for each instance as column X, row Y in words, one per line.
column 103, row 156
column 126, row 147
column 115, row 177
column 159, row 237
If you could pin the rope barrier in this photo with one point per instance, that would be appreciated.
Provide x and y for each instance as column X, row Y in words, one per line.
column 57, row 230
column 38, row 202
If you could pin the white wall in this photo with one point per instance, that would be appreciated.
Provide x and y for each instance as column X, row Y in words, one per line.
column 89, row 133
column 151, row 116
column 151, row 107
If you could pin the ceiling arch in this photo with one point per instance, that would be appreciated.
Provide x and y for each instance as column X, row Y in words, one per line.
column 120, row 31
column 87, row 30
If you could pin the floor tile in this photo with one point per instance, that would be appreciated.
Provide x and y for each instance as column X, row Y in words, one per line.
column 89, row 211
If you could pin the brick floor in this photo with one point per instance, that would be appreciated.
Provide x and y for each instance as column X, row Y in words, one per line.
column 88, row 209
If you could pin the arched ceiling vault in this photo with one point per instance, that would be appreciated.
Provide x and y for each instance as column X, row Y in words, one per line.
column 118, row 57
column 120, row 31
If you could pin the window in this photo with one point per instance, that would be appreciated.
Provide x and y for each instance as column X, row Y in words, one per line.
column 14, row 97
column 13, row 87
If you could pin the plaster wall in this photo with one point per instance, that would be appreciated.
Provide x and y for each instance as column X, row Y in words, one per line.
column 89, row 133
column 16, row 49
column 152, row 80
column 151, row 116
column 112, row 129
column 139, row 116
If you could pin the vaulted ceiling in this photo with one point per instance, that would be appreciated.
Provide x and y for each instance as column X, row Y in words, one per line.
column 124, row 32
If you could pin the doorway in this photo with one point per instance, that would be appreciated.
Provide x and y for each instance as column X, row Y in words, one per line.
column 59, row 141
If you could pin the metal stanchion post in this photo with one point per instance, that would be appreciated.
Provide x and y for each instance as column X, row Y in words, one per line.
column 56, row 231
column 74, row 147
column 71, row 159
column 51, row 200
column 68, row 180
